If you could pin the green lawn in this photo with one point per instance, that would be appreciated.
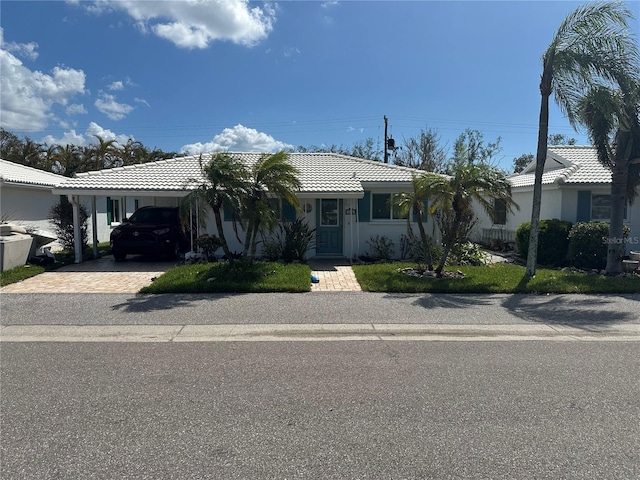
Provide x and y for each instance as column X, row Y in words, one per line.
column 240, row 277
column 497, row 278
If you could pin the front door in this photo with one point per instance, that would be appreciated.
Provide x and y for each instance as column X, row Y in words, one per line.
column 329, row 226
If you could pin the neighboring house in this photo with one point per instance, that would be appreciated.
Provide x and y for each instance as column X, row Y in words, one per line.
column 575, row 187
column 345, row 199
column 26, row 195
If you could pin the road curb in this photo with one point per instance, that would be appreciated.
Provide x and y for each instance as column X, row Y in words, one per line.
column 314, row 332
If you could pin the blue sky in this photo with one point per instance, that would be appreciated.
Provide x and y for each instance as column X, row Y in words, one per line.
column 196, row 76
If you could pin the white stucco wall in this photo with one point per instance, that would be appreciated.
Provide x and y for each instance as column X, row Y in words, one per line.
column 356, row 234
column 26, row 206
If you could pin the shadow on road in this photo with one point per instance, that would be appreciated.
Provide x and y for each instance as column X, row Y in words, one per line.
column 449, row 300
column 142, row 303
column 571, row 310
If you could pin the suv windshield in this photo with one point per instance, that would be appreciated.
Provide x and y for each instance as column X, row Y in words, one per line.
column 153, row 215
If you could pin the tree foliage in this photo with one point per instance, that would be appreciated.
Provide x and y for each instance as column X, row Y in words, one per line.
column 70, row 159
column 424, row 152
column 592, row 44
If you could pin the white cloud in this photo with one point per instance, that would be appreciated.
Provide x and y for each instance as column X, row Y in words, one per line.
column 26, row 50
column 89, row 137
column 68, row 138
column 95, row 129
column 197, row 23
column 76, row 109
column 142, row 101
column 27, row 97
column 108, row 105
column 239, row 139
column 291, row 52
column 116, row 86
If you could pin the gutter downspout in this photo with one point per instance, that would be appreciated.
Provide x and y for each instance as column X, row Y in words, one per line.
column 77, row 240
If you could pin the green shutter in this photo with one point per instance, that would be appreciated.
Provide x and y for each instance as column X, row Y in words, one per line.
column 288, row 211
column 109, row 211
column 227, row 213
column 583, row 213
column 364, row 207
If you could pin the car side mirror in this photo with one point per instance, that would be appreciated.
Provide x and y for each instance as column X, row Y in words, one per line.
column 125, row 220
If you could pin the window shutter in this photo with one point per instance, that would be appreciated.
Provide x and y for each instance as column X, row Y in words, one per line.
column 227, row 213
column 288, row 211
column 109, row 211
column 583, row 213
column 364, row 207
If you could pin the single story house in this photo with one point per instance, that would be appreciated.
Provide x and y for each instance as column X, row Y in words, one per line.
column 346, row 199
column 575, row 187
column 26, row 195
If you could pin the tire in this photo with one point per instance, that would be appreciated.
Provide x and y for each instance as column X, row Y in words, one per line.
column 175, row 253
column 119, row 256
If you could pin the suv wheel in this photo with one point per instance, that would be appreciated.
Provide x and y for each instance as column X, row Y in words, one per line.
column 175, row 253
column 119, row 256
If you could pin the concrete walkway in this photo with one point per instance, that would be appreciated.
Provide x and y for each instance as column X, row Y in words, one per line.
column 105, row 275
column 334, row 276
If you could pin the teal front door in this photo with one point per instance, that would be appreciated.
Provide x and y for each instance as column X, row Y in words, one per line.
column 329, row 226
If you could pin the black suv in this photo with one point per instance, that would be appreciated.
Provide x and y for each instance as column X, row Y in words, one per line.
column 149, row 231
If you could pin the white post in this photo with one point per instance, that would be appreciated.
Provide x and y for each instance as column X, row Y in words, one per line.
column 94, row 226
column 77, row 239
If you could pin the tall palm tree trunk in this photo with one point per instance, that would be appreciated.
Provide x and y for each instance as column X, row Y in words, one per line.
column 541, row 157
column 426, row 244
column 225, row 246
column 619, row 176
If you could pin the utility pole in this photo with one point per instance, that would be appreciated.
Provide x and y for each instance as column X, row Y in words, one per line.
column 386, row 152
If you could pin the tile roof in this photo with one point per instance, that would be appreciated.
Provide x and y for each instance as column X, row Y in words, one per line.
column 15, row 173
column 574, row 164
column 319, row 172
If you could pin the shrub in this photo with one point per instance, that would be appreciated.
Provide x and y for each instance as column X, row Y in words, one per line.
column 271, row 250
column 588, row 246
column 291, row 243
column 467, row 253
column 209, row 244
column 297, row 238
column 553, row 241
column 382, row 248
column 62, row 219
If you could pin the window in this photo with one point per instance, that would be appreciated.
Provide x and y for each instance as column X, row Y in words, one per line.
column 500, row 212
column 381, row 208
column 601, row 207
column 115, row 210
column 276, row 205
column 329, row 212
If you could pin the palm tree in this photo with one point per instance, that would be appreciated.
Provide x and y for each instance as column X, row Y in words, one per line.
column 604, row 111
column 103, row 153
column 593, row 42
column 225, row 184
column 66, row 160
column 424, row 188
column 468, row 182
column 272, row 176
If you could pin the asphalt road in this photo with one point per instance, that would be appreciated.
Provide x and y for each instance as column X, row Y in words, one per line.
column 316, row 307
column 320, row 410
column 340, row 410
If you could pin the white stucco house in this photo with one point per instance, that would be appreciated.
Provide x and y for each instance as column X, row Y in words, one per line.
column 575, row 187
column 26, row 195
column 345, row 199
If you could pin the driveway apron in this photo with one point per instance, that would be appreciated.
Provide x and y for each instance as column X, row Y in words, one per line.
column 105, row 275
